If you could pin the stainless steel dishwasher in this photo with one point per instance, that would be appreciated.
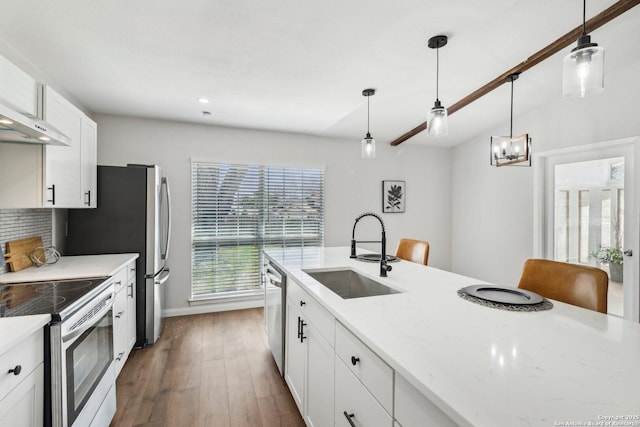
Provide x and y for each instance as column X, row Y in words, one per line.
column 275, row 294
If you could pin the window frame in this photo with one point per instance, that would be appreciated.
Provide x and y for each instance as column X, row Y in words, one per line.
column 262, row 239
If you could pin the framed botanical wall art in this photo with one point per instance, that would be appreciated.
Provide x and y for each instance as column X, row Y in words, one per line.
column 393, row 196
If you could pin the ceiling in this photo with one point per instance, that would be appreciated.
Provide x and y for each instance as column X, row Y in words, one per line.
column 300, row 66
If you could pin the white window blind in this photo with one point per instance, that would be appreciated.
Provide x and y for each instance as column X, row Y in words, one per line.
column 238, row 210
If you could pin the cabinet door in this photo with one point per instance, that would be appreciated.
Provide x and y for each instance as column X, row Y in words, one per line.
column 295, row 360
column 18, row 89
column 22, row 407
column 120, row 329
column 131, row 312
column 62, row 164
column 89, row 163
column 319, row 379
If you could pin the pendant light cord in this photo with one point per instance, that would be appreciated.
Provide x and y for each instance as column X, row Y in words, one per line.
column 584, row 17
column 511, row 122
column 438, row 71
column 368, row 96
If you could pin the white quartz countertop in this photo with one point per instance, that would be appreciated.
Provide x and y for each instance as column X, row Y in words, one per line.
column 484, row 366
column 72, row 267
column 15, row 329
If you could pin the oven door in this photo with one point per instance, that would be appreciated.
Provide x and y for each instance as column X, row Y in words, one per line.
column 86, row 360
column 82, row 372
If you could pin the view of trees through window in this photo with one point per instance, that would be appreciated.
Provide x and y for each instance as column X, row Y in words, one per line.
column 239, row 210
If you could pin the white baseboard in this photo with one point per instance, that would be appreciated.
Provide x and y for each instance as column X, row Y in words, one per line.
column 213, row 307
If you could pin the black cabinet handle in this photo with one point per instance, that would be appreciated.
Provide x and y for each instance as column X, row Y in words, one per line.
column 130, row 288
column 119, row 315
column 119, row 358
column 16, row 370
column 302, row 325
column 348, row 416
column 299, row 333
column 53, row 194
column 302, row 303
column 88, row 194
column 354, row 360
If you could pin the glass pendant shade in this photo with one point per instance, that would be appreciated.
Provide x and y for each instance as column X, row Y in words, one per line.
column 437, row 124
column 583, row 71
column 368, row 147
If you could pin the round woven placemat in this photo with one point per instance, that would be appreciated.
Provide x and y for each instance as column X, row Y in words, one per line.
column 544, row 305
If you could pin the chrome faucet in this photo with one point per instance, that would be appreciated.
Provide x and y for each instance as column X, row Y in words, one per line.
column 383, row 256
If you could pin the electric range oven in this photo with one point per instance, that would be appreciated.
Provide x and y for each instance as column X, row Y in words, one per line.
column 79, row 371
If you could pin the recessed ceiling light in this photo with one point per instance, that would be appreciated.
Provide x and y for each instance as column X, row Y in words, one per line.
column 203, row 100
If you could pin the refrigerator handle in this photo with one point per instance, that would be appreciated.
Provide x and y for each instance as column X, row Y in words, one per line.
column 165, row 183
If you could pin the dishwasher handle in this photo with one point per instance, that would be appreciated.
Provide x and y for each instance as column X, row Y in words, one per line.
column 274, row 277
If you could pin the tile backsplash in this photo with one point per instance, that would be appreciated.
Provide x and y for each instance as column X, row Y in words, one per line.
column 20, row 223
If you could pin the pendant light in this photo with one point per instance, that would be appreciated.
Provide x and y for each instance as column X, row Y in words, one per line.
column 510, row 151
column 437, row 119
column 368, row 143
column 583, row 67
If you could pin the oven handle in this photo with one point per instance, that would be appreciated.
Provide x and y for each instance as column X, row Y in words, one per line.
column 96, row 318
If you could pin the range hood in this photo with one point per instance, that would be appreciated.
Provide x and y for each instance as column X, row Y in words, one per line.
column 18, row 128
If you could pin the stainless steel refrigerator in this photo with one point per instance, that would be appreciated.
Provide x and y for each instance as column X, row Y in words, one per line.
column 133, row 215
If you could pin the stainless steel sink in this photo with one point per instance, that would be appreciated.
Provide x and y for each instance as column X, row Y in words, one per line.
column 349, row 284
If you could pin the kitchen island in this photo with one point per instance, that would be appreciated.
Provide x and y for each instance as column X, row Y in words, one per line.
column 483, row 366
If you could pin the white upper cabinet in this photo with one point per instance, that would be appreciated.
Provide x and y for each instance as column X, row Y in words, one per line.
column 89, row 162
column 18, row 89
column 36, row 176
column 63, row 164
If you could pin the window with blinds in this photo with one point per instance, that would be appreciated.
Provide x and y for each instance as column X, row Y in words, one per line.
column 238, row 210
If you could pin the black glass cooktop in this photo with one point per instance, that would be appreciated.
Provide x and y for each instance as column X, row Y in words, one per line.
column 55, row 298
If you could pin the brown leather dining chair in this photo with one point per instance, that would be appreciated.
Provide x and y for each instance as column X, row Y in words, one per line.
column 579, row 285
column 413, row 250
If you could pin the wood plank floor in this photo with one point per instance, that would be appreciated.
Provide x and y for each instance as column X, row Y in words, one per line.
column 206, row 370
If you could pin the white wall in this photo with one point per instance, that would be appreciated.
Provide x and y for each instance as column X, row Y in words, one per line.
column 493, row 207
column 352, row 185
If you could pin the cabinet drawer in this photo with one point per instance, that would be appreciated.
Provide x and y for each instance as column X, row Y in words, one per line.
column 354, row 399
column 312, row 311
column 120, row 309
column 28, row 354
column 375, row 374
column 131, row 271
column 413, row 409
column 120, row 279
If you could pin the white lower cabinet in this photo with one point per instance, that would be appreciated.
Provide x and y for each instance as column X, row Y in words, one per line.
column 319, row 380
column 124, row 316
column 355, row 405
column 336, row 380
column 296, row 357
column 413, row 409
column 309, row 359
column 22, row 383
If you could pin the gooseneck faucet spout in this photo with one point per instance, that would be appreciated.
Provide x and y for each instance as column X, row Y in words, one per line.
column 383, row 255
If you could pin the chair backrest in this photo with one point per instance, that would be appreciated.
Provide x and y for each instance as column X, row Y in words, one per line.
column 579, row 285
column 413, row 250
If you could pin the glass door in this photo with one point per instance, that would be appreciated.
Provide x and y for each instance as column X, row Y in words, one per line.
column 589, row 219
column 585, row 206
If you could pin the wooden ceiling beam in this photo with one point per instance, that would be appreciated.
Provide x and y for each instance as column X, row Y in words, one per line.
column 572, row 36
